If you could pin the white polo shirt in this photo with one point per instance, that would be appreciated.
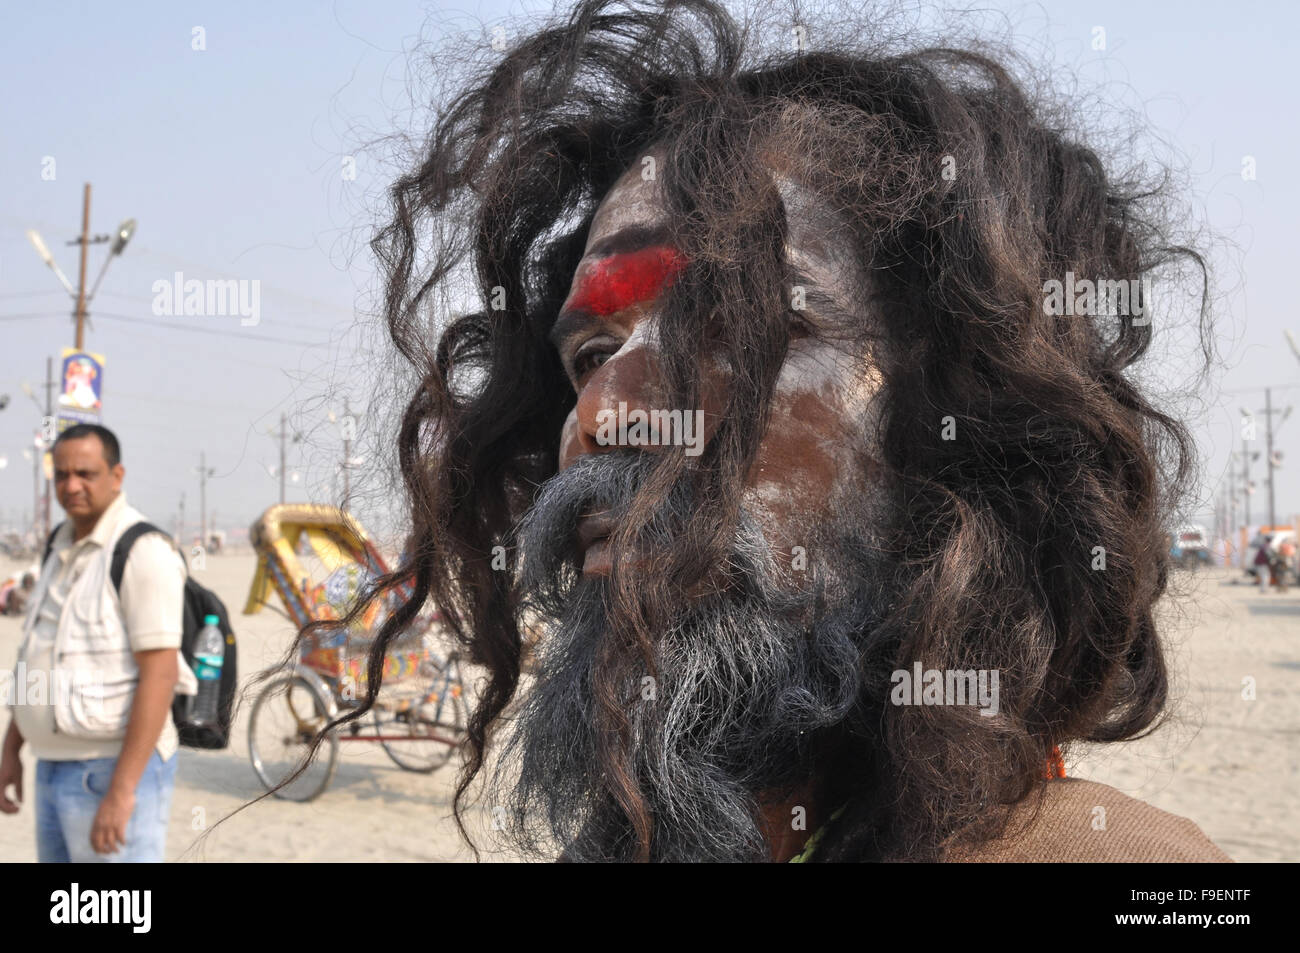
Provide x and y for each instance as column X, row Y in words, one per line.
column 152, row 597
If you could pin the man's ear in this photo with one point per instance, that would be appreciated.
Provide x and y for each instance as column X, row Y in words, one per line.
column 119, row 472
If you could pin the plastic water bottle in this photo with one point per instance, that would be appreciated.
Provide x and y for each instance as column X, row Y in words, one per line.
column 209, row 654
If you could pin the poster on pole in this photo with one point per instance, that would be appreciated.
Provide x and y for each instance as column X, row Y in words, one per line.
column 81, row 395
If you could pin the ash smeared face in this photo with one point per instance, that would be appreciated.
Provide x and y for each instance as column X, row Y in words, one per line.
column 750, row 678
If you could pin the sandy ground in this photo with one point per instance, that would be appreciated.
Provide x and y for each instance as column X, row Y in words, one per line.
column 1227, row 756
column 1226, row 762
column 372, row 809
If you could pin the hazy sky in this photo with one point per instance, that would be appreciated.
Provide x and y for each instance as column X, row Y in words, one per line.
column 230, row 158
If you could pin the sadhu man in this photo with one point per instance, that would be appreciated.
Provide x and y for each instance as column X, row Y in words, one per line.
column 837, row 525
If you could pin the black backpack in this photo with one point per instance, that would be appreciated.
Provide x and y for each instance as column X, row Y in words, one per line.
column 199, row 602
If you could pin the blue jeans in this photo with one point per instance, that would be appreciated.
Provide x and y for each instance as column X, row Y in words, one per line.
column 68, row 795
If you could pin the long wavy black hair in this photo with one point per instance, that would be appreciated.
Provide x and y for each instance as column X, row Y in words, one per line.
column 1017, row 447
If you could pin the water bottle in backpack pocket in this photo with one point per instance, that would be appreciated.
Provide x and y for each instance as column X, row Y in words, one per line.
column 209, row 656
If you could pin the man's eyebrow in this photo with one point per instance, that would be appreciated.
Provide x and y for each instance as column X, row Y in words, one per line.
column 568, row 324
column 631, row 238
column 824, row 303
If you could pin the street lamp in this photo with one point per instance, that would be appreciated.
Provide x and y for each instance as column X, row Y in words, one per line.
column 34, row 237
column 27, row 389
column 124, row 233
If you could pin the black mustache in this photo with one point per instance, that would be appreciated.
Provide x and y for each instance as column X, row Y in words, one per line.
column 595, row 482
column 548, row 532
column 592, row 484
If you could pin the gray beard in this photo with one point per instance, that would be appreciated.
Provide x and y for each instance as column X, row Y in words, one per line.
column 747, row 688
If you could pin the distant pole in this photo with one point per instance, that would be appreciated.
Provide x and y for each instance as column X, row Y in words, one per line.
column 1216, row 534
column 1245, row 477
column 81, row 284
column 1268, row 431
column 49, row 413
column 180, row 523
column 347, row 455
column 38, row 450
column 1232, row 508
column 203, row 501
column 1225, row 531
column 284, row 434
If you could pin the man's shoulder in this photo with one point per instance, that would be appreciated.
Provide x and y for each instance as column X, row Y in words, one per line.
column 1078, row 821
column 153, row 551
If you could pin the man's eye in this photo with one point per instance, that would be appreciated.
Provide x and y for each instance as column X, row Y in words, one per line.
column 587, row 361
column 800, row 326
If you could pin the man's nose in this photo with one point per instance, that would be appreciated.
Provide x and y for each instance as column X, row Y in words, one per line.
column 629, row 387
column 628, row 381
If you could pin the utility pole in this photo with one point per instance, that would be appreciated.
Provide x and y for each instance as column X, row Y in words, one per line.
column 81, row 283
column 42, row 441
column 1232, row 508
column 204, row 472
column 283, row 435
column 79, row 294
column 1245, row 477
column 1248, row 433
column 1268, row 436
column 49, row 415
column 180, row 524
column 38, row 451
column 1216, row 533
column 1271, row 461
column 1229, row 522
column 347, row 452
column 203, row 501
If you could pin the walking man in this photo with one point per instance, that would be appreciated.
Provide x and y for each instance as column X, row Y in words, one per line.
column 96, row 672
column 1263, row 565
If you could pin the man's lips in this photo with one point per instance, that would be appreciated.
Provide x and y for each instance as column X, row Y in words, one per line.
column 593, row 533
column 594, row 526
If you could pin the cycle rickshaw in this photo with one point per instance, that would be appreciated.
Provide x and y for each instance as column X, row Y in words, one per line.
column 420, row 716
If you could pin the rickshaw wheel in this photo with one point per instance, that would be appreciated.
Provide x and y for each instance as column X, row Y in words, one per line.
column 443, row 716
column 287, row 715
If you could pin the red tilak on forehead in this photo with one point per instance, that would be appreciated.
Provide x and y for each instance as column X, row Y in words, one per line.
column 619, row 281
